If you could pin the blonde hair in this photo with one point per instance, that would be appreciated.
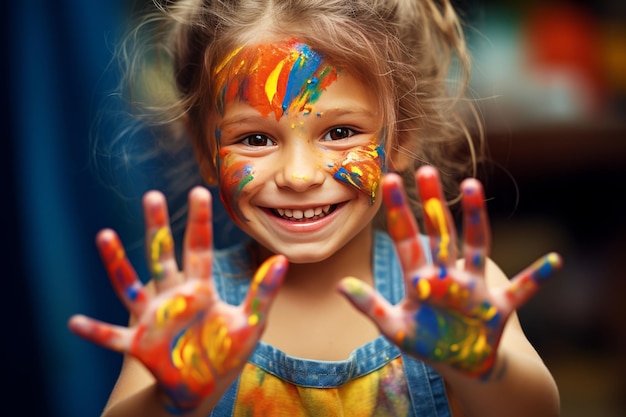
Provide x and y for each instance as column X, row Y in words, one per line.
column 411, row 52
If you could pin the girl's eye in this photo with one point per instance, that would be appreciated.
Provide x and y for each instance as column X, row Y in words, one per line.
column 338, row 133
column 258, row 140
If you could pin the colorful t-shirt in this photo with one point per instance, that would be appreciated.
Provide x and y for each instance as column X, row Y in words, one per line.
column 382, row 392
column 376, row 380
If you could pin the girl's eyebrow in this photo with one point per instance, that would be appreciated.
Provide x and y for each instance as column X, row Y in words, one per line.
column 343, row 111
column 353, row 111
column 242, row 119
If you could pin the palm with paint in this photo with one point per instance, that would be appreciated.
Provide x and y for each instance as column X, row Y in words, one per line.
column 191, row 341
column 449, row 314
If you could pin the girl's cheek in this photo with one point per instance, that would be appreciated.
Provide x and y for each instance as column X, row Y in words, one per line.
column 234, row 176
column 361, row 168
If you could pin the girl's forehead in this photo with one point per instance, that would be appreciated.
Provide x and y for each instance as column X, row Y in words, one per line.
column 240, row 57
column 274, row 77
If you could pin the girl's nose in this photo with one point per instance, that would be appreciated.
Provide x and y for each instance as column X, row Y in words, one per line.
column 301, row 167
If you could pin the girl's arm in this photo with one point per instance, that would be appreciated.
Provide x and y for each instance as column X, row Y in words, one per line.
column 184, row 345
column 137, row 393
column 460, row 316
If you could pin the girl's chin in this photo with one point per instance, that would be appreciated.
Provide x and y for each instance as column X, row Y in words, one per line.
column 305, row 259
column 293, row 254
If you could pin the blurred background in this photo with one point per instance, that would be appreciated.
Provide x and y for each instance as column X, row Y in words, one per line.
column 551, row 76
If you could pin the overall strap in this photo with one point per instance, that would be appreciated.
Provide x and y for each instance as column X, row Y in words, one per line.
column 426, row 389
column 226, row 405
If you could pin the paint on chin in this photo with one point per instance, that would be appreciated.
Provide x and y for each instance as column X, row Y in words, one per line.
column 234, row 176
column 362, row 168
column 276, row 78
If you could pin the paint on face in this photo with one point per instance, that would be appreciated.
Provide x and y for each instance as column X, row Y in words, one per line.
column 234, row 176
column 362, row 169
column 275, row 78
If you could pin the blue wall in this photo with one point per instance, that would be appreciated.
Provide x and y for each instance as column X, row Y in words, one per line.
column 55, row 76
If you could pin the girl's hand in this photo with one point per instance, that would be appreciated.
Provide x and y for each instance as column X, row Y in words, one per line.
column 184, row 334
column 449, row 315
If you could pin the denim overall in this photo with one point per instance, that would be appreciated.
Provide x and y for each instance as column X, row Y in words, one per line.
column 425, row 387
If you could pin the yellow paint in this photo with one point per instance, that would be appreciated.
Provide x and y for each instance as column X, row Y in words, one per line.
column 161, row 242
column 480, row 346
column 170, row 309
column 453, row 289
column 423, row 289
column 259, row 275
column 554, row 259
column 253, row 320
column 435, row 212
column 195, row 367
column 228, row 58
column 357, row 170
column 489, row 313
column 218, row 343
column 271, row 85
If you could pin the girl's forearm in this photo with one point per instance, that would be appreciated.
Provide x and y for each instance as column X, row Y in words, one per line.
column 153, row 402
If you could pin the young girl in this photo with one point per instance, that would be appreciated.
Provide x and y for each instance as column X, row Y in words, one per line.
column 304, row 112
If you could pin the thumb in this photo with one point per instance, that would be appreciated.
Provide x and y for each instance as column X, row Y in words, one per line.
column 525, row 284
column 265, row 284
column 109, row 336
column 368, row 301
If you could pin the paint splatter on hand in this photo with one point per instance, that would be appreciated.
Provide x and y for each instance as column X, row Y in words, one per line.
column 184, row 334
column 449, row 315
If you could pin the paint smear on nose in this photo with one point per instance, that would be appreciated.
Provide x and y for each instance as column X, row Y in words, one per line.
column 234, row 176
column 362, row 169
column 275, row 78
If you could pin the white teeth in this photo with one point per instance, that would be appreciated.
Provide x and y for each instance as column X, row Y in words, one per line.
column 310, row 213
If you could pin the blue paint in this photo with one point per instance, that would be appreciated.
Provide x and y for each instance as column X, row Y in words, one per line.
column 543, row 273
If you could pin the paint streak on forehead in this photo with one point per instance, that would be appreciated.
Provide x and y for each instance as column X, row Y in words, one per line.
column 274, row 78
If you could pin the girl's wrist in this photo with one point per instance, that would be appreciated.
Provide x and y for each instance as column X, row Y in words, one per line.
column 492, row 371
column 172, row 406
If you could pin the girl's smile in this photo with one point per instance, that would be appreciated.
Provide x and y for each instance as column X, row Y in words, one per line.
column 304, row 220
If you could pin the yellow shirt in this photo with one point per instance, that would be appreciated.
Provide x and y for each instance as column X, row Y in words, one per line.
column 382, row 392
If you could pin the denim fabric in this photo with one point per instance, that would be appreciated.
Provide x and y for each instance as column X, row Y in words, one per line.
column 426, row 387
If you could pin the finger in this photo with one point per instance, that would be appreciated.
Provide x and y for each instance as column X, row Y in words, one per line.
column 121, row 273
column 265, row 284
column 437, row 219
column 368, row 301
column 477, row 236
column 401, row 224
column 109, row 336
column 198, row 244
column 159, row 242
column 525, row 284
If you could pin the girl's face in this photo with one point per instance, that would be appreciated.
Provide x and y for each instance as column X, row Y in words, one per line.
column 300, row 151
